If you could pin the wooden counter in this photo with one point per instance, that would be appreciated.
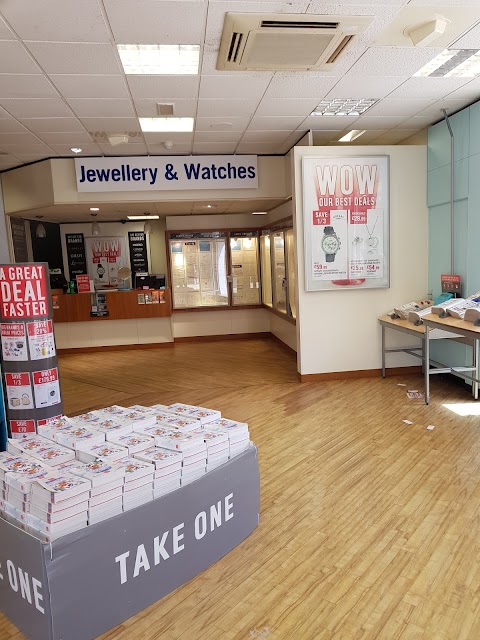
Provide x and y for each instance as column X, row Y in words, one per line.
column 121, row 305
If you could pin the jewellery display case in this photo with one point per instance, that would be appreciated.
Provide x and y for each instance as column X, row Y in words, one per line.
column 277, row 258
column 266, row 264
column 214, row 269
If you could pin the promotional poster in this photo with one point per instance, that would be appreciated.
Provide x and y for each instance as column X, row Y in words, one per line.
column 346, row 215
column 105, row 256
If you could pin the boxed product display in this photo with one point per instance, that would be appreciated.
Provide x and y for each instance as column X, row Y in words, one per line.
column 107, row 451
column 133, row 442
column 203, row 415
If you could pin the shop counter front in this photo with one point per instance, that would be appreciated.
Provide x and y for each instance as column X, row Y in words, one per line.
column 114, row 319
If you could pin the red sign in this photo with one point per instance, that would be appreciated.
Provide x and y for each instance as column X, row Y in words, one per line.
column 41, row 423
column 43, row 377
column 321, row 217
column 13, row 330
column 83, row 284
column 451, row 283
column 17, row 379
column 20, row 428
column 39, row 328
column 23, row 291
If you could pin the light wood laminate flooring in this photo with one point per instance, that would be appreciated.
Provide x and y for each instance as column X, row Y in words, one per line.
column 369, row 527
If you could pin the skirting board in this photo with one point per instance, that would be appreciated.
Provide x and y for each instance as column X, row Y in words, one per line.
column 114, row 347
column 353, row 375
column 227, row 336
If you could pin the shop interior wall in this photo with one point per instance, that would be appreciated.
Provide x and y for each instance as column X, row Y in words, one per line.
column 4, row 243
column 49, row 248
column 157, row 256
column 466, row 129
column 338, row 330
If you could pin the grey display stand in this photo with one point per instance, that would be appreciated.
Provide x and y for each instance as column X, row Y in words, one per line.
column 87, row 582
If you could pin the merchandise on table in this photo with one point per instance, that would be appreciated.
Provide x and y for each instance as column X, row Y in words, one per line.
column 79, row 471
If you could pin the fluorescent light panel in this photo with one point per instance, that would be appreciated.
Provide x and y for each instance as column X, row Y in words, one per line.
column 341, row 107
column 259, row 213
column 452, row 63
column 352, row 135
column 169, row 125
column 143, row 217
column 159, row 59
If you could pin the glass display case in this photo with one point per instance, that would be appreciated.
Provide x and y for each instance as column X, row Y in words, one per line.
column 244, row 267
column 266, row 262
column 291, row 280
column 279, row 272
column 198, row 263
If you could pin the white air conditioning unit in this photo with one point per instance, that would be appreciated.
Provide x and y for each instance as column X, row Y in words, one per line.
column 286, row 42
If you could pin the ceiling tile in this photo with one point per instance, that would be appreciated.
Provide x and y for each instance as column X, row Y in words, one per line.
column 286, row 107
column 14, row 59
column 302, row 85
column 225, row 108
column 394, row 136
column 322, row 137
column 6, row 162
column 130, row 149
column 328, row 122
column 21, row 149
column 21, row 138
column 182, row 108
column 214, row 136
column 365, row 87
column 4, row 114
column 33, row 157
column 210, row 124
column 88, row 149
column 163, row 88
column 111, row 125
column 75, row 57
column 26, row 86
column 52, row 124
column 182, row 148
column 435, row 109
column 10, row 125
column 234, row 87
column 265, row 136
column 393, row 61
column 277, row 123
column 149, row 20
column 72, row 139
column 160, row 138
column 447, row 3
column 417, row 122
column 434, row 88
column 214, row 147
column 37, row 108
column 5, row 32
column 53, row 20
column 260, row 148
column 84, row 86
column 378, row 122
column 392, row 107
column 102, row 108
column 470, row 40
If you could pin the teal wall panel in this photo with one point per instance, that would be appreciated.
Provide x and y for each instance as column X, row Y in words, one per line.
column 474, row 128
column 439, row 244
column 438, row 146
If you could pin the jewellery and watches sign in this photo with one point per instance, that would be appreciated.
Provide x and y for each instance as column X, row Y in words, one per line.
column 28, row 354
column 346, row 219
column 166, row 173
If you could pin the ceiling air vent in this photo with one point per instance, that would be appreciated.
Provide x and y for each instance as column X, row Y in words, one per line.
column 292, row 42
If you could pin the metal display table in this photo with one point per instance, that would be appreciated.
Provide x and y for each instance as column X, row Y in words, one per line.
column 434, row 328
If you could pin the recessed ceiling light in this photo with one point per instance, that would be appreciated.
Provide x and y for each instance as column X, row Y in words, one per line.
column 76, row 150
column 94, row 209
column 340, row 107
column 150, row 125
column 144, row 217
column 259, row 213
column 352, row 135
column 159, row 59
column 452, row 63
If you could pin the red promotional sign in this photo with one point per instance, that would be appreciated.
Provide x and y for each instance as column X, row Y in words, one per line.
column 321, row 217
column 83, row 284
column 20, row 428
column 41, row 328
column 41, row 423
column 17, row 379
column 43, row 377
column 23, row 291
column 13, row 330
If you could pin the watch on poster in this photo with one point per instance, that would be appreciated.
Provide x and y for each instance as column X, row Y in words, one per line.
column 330, row 244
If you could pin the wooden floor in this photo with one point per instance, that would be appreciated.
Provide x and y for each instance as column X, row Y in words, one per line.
column 369, row 528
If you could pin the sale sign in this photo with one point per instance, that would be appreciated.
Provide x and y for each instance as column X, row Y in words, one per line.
column 23, row 291
column 41, row 341
column 46, row 387
column 19, row 391
column 346, row 206
column 83, row 283
column 14, row 344
column 20, row 428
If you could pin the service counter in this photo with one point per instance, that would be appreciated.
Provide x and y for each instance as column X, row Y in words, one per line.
column 129, row 322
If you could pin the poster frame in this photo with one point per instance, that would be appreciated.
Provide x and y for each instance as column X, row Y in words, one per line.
column 311, row 285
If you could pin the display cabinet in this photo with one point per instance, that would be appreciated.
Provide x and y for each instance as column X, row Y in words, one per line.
column 266, row 264
column 277, row 257
column 279, row 271
column 214, row 269
column 291, row 279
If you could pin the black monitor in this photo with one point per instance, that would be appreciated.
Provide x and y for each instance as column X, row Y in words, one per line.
column 149, row 280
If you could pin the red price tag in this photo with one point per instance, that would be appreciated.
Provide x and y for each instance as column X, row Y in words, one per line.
column 321, row 218
column 358, row 217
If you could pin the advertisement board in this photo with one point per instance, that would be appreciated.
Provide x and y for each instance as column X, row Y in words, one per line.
column 346, row 222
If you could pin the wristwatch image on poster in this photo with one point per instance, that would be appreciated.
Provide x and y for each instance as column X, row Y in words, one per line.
column 346, row 217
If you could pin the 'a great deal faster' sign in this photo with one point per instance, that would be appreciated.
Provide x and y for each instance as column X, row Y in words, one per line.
column 23, row 291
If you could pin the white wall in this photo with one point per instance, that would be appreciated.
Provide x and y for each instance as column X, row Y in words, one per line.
column 220, row 323
column 279, row 213
column 284, row 331
column 4, row 242
column 217, row 222
column 338, row 330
